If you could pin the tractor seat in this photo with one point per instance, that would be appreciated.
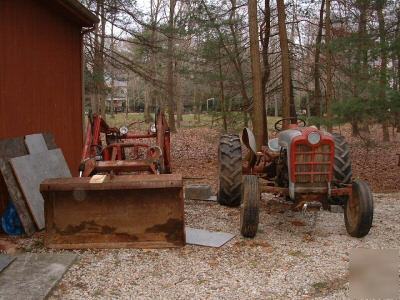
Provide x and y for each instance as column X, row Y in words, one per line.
column 273, row 145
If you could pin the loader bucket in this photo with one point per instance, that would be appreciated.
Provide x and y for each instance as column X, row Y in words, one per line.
column 104, row 211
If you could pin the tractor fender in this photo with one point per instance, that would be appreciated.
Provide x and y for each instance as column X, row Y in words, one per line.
column 249, row 140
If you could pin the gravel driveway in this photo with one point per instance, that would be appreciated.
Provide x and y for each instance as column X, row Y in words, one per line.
column 294, row 255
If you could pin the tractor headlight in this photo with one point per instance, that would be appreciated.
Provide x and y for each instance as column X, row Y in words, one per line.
column 314, row 138
column 153, row 128
column 123, row 130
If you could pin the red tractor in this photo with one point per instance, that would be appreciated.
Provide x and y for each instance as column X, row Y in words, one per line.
column 310, row 167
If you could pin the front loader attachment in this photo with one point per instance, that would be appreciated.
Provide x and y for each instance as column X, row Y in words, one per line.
column 105, row 211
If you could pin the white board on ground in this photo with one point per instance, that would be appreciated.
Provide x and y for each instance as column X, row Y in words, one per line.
column 31, row 170
column 35, row 143
column 34, row 275
column 207, row 238
column 5, row 260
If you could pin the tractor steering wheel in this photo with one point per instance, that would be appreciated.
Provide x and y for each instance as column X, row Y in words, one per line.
column 279, row 124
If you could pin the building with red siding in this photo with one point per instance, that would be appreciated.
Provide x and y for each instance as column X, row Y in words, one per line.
column 41, row 81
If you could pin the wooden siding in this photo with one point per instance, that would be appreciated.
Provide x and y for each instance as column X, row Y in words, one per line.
column 41, row 75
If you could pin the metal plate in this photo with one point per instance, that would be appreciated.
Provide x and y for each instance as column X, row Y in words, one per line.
column 32, row 275
column 207, row 238
column 35, row 143
column 31, row 170
column 5, row 260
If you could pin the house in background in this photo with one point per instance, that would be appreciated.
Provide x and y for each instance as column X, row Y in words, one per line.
column 41, row 77
column 118, row 95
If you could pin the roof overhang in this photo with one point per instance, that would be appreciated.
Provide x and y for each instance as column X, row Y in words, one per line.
column 78, row 12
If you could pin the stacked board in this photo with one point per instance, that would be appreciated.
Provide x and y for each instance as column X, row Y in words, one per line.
column 24, row 163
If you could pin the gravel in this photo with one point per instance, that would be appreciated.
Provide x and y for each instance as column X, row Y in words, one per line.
column 294, row 255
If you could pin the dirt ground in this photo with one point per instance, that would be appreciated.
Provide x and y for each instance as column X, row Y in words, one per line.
column 294, row 255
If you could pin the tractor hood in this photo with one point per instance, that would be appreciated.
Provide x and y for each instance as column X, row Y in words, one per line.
column 286, row 137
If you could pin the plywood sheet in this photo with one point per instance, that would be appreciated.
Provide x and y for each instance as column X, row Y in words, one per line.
column 207, row 238
column 33, row 275
column 12, row 147
column 17, row 197
column 35, row 143
column 31, row 170
column 9, row 148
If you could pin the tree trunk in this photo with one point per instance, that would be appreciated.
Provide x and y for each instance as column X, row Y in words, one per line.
column 112, row 73
column 258, row 102
column 316, row 103
column 265, row 37
column 383, row 66
column 197, row 106
column 355, row 130
column 101, row 65
column 287, row 88
column 238, row 64
column 221, row 85
column 147, row 116
column 170, row 68
column 329, row 75
column 98, row 67
column 178, row 100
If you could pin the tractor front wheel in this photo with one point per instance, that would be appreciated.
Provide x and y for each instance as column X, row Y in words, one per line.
column 249, row 214
column 359, row 210
column 230, row 170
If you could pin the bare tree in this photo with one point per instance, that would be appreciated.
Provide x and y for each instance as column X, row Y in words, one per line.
column 316, row 103
column 384, row 60
column 259, row 104
column 287, row 87
column 170, row 67
column 98, row 67
column 329, row 74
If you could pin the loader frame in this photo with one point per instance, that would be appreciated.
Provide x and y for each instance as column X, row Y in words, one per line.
column 110, row 156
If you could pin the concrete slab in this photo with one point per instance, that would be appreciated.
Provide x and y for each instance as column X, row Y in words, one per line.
column 199, row 192
column 207, row 238
column 34, row 275
column 5, row 260
column 35, row 143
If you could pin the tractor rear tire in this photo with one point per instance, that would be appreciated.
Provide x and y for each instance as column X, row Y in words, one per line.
column 342, row 163
column 230, row 170
column 359, row 210
column 249, row 213
column 341, row 167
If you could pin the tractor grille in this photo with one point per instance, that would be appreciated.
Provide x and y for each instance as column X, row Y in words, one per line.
column 312, row 164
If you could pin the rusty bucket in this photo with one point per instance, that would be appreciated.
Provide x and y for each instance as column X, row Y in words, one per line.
column 124, row 211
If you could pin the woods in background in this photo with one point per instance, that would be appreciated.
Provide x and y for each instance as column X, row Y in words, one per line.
column 329, row 61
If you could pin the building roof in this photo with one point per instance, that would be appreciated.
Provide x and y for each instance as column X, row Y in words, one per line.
column 77, row 11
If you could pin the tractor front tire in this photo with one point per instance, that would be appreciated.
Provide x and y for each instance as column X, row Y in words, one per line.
column 249, row 213
column 230, row 170
column 342, row 163
column 359, row 210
